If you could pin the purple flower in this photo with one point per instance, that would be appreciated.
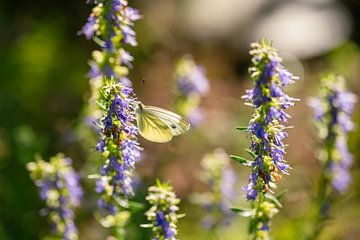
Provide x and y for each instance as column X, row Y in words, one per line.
column 191, row 85
column 220, row 179
column 250, row 191
column 318, row 108
column 268, row 72
column 161, row 221
column 126, row 82
column 72, row 184
column 162, row 214
column 126, row 58
column 109, row 46
column 269, row 101
column 100, row 185
column 89, row 28
column 94, row 71
column 196, row 116
column 199, row 80
column 129, row 35
column 110, row 26
column 267, row 133
column 285, row 76
column 59, row 187
column 132, row 14
column 276, row 91
column 332, row 111
column 119, row 140
column 341, row 177
column 101, row 145
column 192, row 78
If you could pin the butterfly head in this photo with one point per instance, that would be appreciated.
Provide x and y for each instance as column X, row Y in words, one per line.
column 140, row 107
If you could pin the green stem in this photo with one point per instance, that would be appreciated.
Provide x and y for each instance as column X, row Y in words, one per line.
column 323, row 201
column 254, row 221
column 212, row 234
column 119, row 232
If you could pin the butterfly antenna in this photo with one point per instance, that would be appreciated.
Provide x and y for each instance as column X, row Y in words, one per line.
column 143, row 84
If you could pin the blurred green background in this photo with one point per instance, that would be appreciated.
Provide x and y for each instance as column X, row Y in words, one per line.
column 43, row 89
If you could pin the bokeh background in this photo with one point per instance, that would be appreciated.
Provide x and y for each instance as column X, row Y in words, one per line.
column 44, row 88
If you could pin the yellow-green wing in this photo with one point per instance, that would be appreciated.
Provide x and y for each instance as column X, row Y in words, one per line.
column 152, row 128
column 177, row 124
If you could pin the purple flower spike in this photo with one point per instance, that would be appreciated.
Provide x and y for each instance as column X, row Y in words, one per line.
column 162, row 214
column 332, row 111
column 60, row 188
column 267, row 134
column 191, row 86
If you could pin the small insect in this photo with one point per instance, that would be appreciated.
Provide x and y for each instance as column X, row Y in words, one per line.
column 159, row 125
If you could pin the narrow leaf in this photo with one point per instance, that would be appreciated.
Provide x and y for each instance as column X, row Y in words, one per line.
column 244, row 129
column 252, row 154
column 146, row 225
column 181, row 215
column 94, row 176
column 280, row 195
column 273, row 199
column 242, row 211
column 241, row 160
column 136, row 205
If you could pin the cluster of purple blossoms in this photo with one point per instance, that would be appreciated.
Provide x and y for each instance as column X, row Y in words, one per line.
column 60, row 189
column 110, row 25
column 118, row 144
column 192, row 85
column 270, row 103
column 220, row 179
column 332, row 114
column 267, row 133
column 162, row 215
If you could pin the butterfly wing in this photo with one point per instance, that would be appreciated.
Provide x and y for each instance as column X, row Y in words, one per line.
column 176, row 123
column 152, row 128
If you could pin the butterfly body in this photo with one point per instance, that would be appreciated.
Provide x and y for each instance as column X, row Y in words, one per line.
column 159, row 125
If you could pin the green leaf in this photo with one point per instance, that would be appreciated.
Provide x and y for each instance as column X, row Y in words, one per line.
column 243, row 129
column 94, row 176
column 147, row 225
column 181, row 215
column 245, row 212
column 252, row 154
column 241, row 160
column 280, row 195
column 136, row 205
column 273, row 199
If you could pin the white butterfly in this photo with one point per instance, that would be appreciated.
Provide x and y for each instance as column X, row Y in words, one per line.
column 159, row 125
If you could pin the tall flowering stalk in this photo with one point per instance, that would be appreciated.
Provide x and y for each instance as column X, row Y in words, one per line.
column 267, row 133
column 119, row 147
column 162, row 215
column 220, row 178
column 332, row 117
column 110, row 26
column 60, row 188
column 191, row 86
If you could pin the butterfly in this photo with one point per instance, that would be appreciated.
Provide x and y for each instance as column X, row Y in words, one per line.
column 159, row 125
